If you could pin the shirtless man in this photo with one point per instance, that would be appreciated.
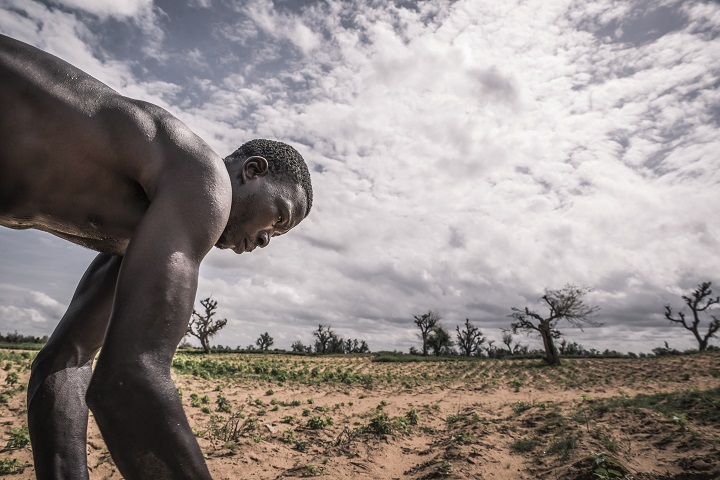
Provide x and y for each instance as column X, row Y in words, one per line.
column 129, row 180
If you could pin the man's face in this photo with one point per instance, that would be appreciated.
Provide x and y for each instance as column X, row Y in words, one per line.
column 262, row 208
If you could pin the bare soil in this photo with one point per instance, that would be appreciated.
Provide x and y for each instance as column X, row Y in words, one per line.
column 347, row 417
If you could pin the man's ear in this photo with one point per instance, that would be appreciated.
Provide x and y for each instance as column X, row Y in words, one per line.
column 254, row 167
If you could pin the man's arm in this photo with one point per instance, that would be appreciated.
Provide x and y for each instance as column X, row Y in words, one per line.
column 131, row 393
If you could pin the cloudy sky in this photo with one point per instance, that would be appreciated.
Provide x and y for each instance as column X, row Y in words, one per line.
column 465, row 156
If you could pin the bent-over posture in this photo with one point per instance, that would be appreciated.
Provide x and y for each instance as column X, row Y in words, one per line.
column 129, row 180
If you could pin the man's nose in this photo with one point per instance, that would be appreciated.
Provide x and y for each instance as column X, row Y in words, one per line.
column 263, row 239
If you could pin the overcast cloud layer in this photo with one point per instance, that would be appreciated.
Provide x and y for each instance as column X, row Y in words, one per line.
column 465, row 156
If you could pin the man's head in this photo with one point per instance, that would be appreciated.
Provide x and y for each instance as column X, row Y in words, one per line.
column 272, row 193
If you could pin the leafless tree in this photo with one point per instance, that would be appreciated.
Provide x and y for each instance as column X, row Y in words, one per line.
column 205, row 326
column 324, row 337
column 564, row 304
column 515, row 348
column 700, row 300
column 470, row 339
column 426, row 323
column 356, row 346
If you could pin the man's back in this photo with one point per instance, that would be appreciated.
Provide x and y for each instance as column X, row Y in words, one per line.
column 76, row 158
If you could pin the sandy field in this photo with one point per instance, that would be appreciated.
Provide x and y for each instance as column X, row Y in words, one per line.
column 270, row 416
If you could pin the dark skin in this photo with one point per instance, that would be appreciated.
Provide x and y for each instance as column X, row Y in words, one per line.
column 129, row 180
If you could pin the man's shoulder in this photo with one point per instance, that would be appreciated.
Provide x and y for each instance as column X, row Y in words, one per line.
column 167, row 145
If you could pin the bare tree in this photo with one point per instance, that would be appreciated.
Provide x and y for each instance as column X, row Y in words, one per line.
column 264, row 341
column 563, row 304
column 700, row 300
column 470, row 339
column 426, row 323
column 324, row 337
column 356, row 346
column 507, row 339
column 491, row 350
column 205, row 326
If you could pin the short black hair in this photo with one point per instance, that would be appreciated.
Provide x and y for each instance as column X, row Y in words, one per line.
column 284, row 162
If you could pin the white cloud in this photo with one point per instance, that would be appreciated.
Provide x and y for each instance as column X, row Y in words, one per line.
column 201, row 3
column 281, row 25
column 109, row 8
column 28, row 311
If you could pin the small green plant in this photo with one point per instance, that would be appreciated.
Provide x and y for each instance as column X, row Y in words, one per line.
column 444, row 469
column 607, row 468
column 270, row 392
column 232, row 445
column 563, row 447
column 300, row 445
column 11, row 466
column 311, row 470
column 223, row 404
column 12, row 378
column 412, row 416
column 516, row 383
column 455, row 417
column 680, row 419
column 520, row 407
column 610, row 444
column 463, row 438
column 291, row 437
column 19, row 438
column 379, row 424
column 318, row 423
column 524, row 445
column 251, row 424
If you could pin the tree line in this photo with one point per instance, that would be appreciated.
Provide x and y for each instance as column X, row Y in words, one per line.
column 16, row 337
column 566, row 305
column 205, row 325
